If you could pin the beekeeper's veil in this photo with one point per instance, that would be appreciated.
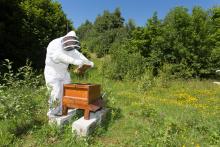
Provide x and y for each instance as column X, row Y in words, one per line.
column 70, row 41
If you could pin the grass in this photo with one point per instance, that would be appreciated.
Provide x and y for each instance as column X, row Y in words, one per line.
column 182, row 113
column 185, row 113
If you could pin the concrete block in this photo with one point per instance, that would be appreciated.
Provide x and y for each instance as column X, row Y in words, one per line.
column 61, row 120
column 84, row 127
column 218, row 83
column 100, row 115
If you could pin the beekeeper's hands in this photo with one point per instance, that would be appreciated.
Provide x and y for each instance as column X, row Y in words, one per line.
column 81, row 70
column 78, row 71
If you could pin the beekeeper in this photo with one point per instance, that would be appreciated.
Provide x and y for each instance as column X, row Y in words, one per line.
column 60, row 53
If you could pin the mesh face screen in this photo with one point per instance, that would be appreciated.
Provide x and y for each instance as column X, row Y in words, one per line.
column 69, row 38
column 70, row 42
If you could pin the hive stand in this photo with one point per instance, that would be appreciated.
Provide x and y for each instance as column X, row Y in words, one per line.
column 217, row 72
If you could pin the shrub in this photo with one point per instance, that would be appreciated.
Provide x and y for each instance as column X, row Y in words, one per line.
column 22, row 98
column 147, row 81
column 125, row 62
column 165, row 75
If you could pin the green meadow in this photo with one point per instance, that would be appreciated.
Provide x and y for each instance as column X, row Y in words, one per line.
column 167, row 113
column 157, row 78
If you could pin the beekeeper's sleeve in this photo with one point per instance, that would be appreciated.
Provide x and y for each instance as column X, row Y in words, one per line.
column 61, row 57
column 80, row 56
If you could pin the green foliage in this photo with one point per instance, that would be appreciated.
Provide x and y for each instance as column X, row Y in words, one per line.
column 149, row 106
column 109, row 21
column 179, row 113
column 215, row 37
column 191, row 46
column 21, row 96
column 130, row 25
column 85, row 51
column 124, row 62
column 147, row 81
column 28, row 26
column 84, row 30
column 156, row 117
column 188, row 41
column 106, row 29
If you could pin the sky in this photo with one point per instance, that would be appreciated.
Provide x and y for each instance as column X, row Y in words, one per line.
column 78, row 11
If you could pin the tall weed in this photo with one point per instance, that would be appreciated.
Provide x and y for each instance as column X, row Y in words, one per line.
column 22, row 100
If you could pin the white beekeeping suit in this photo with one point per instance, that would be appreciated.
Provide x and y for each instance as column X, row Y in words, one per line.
column 60, row 53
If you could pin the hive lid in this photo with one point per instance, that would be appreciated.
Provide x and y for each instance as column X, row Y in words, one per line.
column 83, row 84
column 80, row 85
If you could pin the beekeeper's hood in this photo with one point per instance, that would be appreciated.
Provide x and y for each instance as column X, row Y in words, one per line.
column 70, row 41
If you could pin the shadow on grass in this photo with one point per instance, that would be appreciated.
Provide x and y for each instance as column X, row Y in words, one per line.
column 24, row 127
column 111, row 117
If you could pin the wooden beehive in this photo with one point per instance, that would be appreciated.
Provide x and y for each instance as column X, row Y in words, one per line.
column 82, row 96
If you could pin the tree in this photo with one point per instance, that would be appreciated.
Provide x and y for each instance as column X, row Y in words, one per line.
column 10, row 28
column 32, row 28
column 84, row 30
column 215, row 38
column 187, row 41
column 101, row 35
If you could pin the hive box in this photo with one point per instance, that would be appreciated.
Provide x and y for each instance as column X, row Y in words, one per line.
column 82, row 96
